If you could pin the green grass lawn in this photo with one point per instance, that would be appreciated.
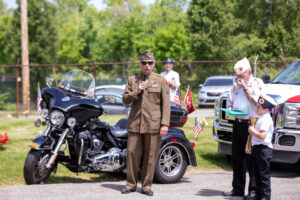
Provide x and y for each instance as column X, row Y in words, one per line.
column 21, row 131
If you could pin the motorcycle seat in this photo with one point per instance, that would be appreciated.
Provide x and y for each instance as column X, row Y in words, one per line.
column 119, row 130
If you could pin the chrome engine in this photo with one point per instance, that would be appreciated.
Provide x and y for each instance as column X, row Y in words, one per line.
column 110, row 161
column 96, row 158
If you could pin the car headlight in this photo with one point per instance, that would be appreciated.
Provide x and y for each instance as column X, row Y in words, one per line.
column 57, row 118
column 291, row 115
column 44, row 113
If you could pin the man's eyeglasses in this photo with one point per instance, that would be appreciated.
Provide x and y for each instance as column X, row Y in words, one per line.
column 145, row 63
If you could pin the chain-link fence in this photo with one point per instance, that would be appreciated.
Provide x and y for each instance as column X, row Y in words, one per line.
column 192, row 73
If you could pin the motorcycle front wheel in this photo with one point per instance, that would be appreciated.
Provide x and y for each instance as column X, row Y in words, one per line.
column 171, row 164
column 35, row 170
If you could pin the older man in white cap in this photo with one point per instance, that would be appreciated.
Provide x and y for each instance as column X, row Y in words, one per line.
column 242, row 98
column 172, row 78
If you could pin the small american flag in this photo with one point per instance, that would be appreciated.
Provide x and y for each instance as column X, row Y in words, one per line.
column 199, row 126
column 39, row 99
column 197, row 129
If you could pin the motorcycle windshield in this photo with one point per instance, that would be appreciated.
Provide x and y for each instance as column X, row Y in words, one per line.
column 79, row 82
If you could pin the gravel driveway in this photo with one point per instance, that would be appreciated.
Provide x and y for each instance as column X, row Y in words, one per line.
column 194, row 185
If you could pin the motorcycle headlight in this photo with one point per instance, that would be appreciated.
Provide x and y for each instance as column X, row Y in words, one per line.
column 57, row 118
column 291, row 115
column 71, row 122
column 44, row 113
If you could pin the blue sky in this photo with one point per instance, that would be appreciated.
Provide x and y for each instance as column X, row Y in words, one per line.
column 97, row 3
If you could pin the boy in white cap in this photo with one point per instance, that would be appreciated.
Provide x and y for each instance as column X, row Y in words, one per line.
column 262, row 147
column 241, row 98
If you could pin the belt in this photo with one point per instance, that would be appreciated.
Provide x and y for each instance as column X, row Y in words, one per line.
column 242, row 120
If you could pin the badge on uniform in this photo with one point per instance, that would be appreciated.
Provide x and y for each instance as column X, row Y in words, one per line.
column 154, row 84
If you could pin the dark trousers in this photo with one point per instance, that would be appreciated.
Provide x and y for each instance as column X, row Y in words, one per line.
column 148, row 146
column 240, row 160
column 261, row 162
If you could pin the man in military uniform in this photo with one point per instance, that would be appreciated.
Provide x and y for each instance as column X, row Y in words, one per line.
column 148, row 121
column 242, row 98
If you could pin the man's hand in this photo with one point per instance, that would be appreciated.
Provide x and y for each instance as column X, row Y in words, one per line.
column 142, row 86
column 163, row 130
column 172, row 85
column 241, row 83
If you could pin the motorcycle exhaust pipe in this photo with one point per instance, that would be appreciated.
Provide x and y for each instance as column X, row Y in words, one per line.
column 59, row 143
column 80, row 152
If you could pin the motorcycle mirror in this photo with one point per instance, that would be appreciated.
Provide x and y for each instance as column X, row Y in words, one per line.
column 49, row 81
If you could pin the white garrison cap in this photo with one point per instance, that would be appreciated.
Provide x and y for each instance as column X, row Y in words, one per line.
column 241, row 66
column 267, row 102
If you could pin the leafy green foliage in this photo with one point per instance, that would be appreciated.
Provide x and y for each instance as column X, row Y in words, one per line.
column 3, row 98
column 73, row 31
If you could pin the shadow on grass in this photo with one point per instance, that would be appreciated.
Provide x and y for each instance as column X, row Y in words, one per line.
column 2, row 148
column 217, row 159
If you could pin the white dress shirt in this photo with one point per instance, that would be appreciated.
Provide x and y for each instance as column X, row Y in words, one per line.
column 172, row 77
column 238, row 100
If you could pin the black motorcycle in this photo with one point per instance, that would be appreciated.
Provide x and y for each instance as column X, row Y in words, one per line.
column 71, row 119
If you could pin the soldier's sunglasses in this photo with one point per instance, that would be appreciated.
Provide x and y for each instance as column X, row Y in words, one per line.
column 145, row 63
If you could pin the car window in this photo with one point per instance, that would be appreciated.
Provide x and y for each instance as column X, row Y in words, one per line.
column 100, row 98
column 218, row 82
column 110, row 90
column 119, row 101
column 290, row 75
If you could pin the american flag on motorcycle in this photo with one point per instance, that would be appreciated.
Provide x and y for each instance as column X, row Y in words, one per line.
column 39, row 99
column 177, row 97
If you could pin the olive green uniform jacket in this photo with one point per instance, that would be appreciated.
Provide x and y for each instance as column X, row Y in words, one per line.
column 151, row 108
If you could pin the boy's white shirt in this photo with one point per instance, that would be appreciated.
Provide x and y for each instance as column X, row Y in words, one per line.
column 264, row 123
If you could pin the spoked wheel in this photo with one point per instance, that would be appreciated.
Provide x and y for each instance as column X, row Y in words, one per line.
column 35, row 170
column 171, row 164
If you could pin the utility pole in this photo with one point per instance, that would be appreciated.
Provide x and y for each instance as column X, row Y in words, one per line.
column 25, row 57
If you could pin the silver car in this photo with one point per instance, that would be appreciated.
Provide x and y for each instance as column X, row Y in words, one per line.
column 213, row 87
column 110, row 97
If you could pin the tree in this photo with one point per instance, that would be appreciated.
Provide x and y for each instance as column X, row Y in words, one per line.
column 216, row 35
column 171, row 41
column 277, row 22
column 42, row 39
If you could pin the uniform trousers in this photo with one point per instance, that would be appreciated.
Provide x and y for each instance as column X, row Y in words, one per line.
column 261, row 162
column 148, row 146
column 240, row 160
